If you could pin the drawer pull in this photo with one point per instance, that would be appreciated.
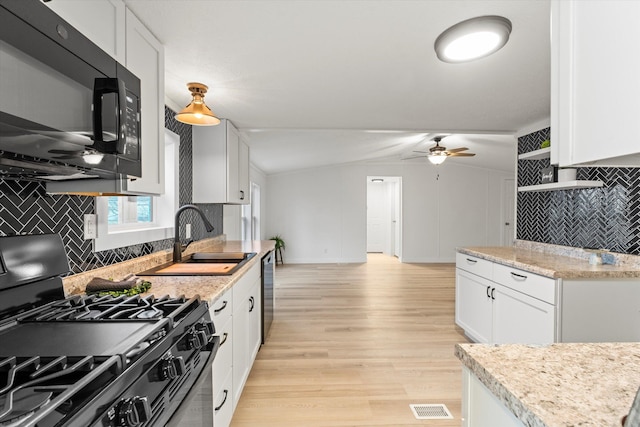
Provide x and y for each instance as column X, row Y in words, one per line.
column 471, row 261
column 224, row 305
column 492, row 293
column 518, row 276
column 488, row 295
column 224, row 338
column 226, row 393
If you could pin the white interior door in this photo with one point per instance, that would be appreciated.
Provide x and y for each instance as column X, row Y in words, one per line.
column 376, row 213
column 508, row 206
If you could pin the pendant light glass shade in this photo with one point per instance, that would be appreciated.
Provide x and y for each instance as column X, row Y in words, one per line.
column 472, row 39
column 197, row 113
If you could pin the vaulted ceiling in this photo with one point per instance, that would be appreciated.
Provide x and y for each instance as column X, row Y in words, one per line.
column 320, row 82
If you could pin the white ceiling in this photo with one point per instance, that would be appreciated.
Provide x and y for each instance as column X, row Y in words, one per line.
column 320, row 82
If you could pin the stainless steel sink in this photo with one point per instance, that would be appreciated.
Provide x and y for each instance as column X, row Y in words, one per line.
column 203, row 264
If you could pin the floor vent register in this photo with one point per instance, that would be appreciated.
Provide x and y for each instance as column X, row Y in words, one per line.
column 431, row 411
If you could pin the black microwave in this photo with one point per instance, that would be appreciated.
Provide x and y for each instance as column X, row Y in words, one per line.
column 68, row 110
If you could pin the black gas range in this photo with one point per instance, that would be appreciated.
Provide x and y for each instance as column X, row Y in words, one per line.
column 90, row 360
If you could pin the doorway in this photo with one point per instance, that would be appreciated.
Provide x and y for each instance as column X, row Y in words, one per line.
column 384, row 215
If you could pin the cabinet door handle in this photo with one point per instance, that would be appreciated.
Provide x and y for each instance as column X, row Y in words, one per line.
column 518, row 276
column 224, row 338
column 226, row 393
column 488, row 295
column 241, row 194
column 224, row 305
column 253, row 304
column 472, row 261
column 492, row 293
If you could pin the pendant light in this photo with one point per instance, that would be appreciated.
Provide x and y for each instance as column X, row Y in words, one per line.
column 473, row 39
column 197, row 113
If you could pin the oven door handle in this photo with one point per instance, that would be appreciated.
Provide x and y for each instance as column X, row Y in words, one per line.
column 101, row 87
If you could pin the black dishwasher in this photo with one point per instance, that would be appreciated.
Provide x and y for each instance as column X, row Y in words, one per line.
column 267, row 293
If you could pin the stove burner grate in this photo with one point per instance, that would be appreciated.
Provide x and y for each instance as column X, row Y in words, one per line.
column 33, row 387
column 106, row 308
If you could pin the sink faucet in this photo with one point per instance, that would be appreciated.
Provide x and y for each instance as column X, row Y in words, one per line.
column 177, row 246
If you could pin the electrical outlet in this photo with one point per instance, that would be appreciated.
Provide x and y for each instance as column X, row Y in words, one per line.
column 187, row 231
column 90, row 226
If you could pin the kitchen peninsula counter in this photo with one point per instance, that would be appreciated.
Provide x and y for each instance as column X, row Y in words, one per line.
column 555, row 262
column 558, row 385
column 209, row 288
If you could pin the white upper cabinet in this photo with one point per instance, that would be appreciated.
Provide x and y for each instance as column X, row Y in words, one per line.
column 145, row 59
column 220, row 165
column 102, row 21
column 595, row 83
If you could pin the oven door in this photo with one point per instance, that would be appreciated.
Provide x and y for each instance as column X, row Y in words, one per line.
column 196, row 408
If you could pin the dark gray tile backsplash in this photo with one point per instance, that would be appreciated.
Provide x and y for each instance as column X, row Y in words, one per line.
column 25, row 208
column 607, row 217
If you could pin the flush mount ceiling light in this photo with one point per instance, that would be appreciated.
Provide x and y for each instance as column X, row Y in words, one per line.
column 472, row 39
column 197, row 113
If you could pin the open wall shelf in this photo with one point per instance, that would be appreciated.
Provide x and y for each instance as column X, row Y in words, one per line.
column 567, row 185
column 543, row 153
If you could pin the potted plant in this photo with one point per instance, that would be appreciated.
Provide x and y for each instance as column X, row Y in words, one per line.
column 279, row 247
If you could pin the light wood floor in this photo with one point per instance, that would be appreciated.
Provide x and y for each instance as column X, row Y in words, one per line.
column 354, row 345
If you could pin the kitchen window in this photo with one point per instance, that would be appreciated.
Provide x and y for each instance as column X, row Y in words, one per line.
column 131, row 220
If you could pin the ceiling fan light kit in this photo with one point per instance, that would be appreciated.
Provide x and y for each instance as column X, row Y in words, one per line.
column 197, row 113
column 473, row 39
column 437, row 159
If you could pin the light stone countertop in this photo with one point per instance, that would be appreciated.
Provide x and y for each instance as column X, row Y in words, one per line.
column 209, row 288
column 559, row 385
column 551, row 263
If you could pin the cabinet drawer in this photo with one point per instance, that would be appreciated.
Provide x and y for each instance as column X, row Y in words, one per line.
column 223, row 404
column 222, row 364
column 474, row 265
column 221, row 310
column 244, row 285
column 540, row 287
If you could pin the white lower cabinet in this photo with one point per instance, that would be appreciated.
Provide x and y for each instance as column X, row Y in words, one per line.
column 223, row 403
column 473, row 305
column 236, row 316
column 480, row 408
column 499, row 304
column 246, row 328
column 504, row 305
column 492, row 313
column 519, row 318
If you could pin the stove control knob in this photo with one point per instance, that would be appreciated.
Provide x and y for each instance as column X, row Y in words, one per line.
column 133, row 412
column 198, row 339
column 206, row 327
column 172, row 367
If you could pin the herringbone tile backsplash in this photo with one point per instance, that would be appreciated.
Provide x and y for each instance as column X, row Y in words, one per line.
column 25, row 208
column 607, row 217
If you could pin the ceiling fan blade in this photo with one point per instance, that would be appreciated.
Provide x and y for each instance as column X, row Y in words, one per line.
column 455, row 150
column 461, row 154
column 418, row 151
column 414, row 157
column 67, row 157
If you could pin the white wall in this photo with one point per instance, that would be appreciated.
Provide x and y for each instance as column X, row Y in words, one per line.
column 321, row 213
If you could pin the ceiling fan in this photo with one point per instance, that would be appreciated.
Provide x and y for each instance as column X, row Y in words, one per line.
column 438, row 153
